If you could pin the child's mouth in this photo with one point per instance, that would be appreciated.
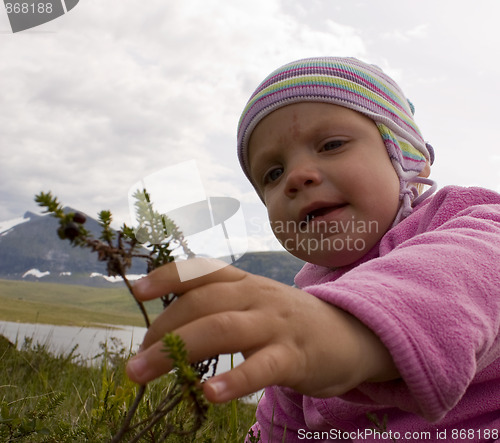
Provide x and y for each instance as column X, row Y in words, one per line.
column 321, row 213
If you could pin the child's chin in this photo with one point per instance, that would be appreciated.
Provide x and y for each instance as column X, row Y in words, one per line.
column 337, row 261
column 329, row 259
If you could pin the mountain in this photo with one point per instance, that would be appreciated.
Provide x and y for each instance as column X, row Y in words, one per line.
column 30, row 249
column 280, row 266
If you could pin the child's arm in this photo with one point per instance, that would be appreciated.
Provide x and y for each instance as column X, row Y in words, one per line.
column 287, row 336
column 433, row 298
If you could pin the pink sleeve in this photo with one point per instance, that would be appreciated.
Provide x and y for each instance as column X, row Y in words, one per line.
column 280, row 416
column 434, row 300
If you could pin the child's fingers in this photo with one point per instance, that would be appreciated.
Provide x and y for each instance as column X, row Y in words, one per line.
column 166, row 279
column 148, row 365
column 266, row 367
column 222, row 333
column 200, row 302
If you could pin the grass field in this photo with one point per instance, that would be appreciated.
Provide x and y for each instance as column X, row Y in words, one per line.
column 54, row 398
column 51, row 398
column 60, row 304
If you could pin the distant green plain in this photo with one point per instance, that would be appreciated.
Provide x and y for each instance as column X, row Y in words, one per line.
column 70, row 305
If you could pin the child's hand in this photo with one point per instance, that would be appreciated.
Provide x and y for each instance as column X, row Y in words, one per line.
column 287, row 336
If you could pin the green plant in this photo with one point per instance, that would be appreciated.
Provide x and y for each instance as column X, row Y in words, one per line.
column 22, row 425
column 35, row 417
column 379, row 426
column 95, row 401
column 154, row 241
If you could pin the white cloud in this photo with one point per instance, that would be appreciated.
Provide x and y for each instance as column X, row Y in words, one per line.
column 418, row 32
column 110, row 93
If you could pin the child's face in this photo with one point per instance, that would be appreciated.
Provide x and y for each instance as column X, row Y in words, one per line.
column 327, row 181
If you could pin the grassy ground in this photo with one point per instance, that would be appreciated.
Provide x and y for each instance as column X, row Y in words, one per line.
column 70, row 305
column 47, row 398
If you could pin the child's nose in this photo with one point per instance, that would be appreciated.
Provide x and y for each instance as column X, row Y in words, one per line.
column 302, row 175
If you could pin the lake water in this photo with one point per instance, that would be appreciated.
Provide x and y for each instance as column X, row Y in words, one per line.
column 62, row 339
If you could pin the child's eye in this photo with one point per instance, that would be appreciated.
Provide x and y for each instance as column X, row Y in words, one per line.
column 333, row 144
column 273, row 175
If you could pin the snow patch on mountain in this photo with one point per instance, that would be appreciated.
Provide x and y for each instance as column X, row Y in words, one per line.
column 35, row 273
column 6, row 226
column 117, row 278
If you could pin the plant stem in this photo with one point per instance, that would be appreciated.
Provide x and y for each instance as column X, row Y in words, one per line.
column 139, row 303
column 130, row 415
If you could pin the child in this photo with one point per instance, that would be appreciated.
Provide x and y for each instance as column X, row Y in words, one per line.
column 394, row 332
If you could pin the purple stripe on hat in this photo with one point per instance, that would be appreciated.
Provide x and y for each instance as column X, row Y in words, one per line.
column 347, row 75
column 355, row 85
column 332, row 94
column 415, row 167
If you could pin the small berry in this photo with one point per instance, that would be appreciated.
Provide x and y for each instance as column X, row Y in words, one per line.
column 79, row 218
column 61, row 234
column 71, row 230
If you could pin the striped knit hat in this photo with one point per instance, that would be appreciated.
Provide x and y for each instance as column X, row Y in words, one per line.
column 355, row 85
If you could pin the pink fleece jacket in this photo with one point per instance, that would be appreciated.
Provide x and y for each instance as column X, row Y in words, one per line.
column 430, row 290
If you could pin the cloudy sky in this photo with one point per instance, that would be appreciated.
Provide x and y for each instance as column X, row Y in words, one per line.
column 116, row 90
